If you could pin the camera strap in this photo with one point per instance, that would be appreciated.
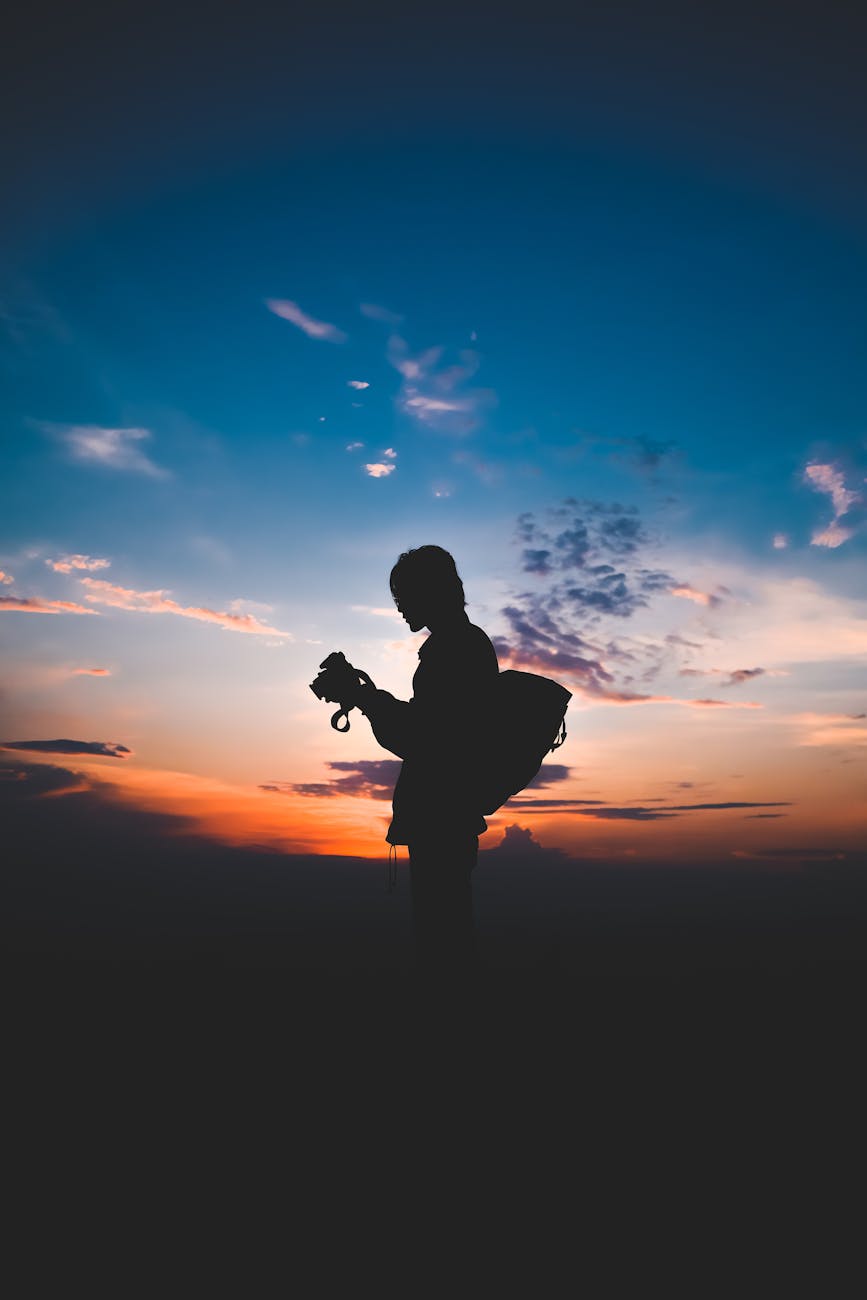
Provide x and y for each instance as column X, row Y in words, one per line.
column 391, row 882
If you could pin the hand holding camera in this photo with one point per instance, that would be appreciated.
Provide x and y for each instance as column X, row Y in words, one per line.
column 340, row 683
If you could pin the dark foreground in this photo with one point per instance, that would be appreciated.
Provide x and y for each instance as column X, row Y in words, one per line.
column 124, row 926
column 187, row 1015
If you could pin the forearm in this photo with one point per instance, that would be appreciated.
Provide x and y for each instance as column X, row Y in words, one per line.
column 391, row 720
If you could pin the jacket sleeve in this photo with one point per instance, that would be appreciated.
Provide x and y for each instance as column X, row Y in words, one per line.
column 392, row 721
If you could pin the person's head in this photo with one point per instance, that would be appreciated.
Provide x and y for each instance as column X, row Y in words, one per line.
column 426, row 586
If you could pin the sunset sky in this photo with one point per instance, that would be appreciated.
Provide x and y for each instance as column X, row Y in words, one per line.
column 582, row 301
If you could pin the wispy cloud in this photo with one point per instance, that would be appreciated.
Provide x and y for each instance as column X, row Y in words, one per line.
column 357, row 383
column 366, row 778
column 36, row 605
column 741, row 675
column 640, row 454
column 830, row 480
column 390, row 453
column 780, row 542
column 6, row 578
column 67, row 563
column 600, row 811
column 119, row 449
column 91, row 672
column 105, row 749
column 832, row 729
column 377, row 610
column 373, row 311
column 313, row 328
column 439, row 396
column 832, row 536
column 380, row 470
column 711, row 600
column 354, row 446
column 158, row 602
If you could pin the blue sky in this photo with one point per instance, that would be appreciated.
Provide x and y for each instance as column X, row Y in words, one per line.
column 615, row 260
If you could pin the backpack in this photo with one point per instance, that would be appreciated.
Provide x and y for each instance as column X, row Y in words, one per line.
column 527, row 722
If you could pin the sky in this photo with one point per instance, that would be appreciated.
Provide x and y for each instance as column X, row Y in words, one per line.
column 578, row 295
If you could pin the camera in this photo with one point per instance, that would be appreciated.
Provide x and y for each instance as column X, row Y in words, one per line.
column 338, row 682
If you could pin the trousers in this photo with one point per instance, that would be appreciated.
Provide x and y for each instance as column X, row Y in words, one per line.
column 442, row 906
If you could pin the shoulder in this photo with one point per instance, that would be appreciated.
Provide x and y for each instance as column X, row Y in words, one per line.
column 480, row 643
column 466, row 643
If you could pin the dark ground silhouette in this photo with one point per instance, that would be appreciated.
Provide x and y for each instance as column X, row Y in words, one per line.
column 164, row 989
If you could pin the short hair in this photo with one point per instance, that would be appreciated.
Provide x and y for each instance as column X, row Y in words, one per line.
column 433, row 569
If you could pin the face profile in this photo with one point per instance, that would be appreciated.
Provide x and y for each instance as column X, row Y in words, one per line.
column 426, row 587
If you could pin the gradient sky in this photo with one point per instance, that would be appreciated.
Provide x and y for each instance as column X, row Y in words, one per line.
column 580, row 299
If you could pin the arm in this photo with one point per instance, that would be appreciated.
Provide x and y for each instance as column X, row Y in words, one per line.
column 391, row 720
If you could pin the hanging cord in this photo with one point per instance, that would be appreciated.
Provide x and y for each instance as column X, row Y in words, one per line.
column 391, row 883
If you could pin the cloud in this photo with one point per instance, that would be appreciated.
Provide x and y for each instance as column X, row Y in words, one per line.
column 831, row 729
column 390, row 453
column 832, row 536
column 67, row 563
column 378, row 611
column 706, row 598
column 780, row 542
column 375, row 312
column 36, row 605
column 741, row 675
column 714, row 807
column 110, row 448
column 354, row 446
column 829, row 479
column 641, row 454
column 367, row 778
column 380, row 470
column 91, row 672
column 105, row 749
column 357, row 383
column 519, row 841
column 313, row 328
column 157, row 602
column 599, row 810
column 723, row 704
column 6, row 578
column 792, row 854
column 549, row 774
column 436, row 396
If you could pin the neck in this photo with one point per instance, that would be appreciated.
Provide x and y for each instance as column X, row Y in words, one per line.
column 450, row 618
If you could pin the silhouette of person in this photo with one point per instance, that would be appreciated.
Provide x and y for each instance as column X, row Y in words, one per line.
column 437, row 734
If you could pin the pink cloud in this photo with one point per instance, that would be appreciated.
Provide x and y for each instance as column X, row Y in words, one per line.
column 69, row 562
column 91, row 672
column 722, row 704
column 380, row 469
column 36, row 605
column 157, row 602
column 313, row 328
column 390, row 453
column 781, row 541
column 6, row 578
column 700, row 597
column 832, row 536
column 357, row 383
column 827, row 478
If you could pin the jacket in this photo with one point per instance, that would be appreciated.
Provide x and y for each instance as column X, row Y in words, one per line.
column 437, row 734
